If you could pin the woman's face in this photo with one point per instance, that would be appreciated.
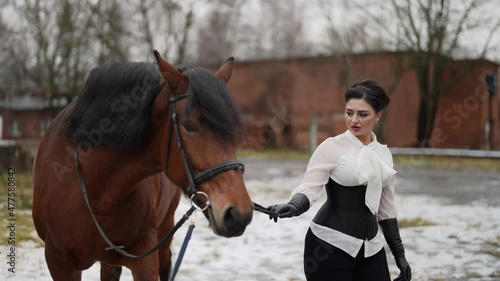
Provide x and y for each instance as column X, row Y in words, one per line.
column 360, row 117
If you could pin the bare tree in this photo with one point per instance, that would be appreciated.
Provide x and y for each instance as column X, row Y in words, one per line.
column 268, row 29
column 182, row 43
column 108, row 29
column 432, row 31
column 433, row 37
column 48, row 43
column 163, row 25
column 345, row 36
column 4, row 59
column 54, row 43
column 3, row 39
column 348, row 33
column 218, row 35
column 287, row 36
column 281, row 25
column 12, row 79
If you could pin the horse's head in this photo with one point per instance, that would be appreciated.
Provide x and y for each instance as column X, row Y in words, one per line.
column 201, row 128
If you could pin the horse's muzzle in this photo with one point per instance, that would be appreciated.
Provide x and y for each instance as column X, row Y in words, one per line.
column 232, row 222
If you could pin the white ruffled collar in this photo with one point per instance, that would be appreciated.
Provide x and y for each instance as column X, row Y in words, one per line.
column 358, row 143
column 372, row 171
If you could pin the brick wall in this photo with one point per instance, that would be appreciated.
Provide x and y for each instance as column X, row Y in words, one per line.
column 280, row 96
column 466, row 108
column 29, row 122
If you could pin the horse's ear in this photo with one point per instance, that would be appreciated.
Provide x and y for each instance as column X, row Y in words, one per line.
column 176, row 80
column 226, row 70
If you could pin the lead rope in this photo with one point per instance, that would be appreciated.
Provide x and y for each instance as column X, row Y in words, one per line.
column 260, row 208
column 190, row 230
column 184, row 245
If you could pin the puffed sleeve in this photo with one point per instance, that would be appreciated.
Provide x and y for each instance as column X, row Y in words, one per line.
column 322, row 161
column 387, row 208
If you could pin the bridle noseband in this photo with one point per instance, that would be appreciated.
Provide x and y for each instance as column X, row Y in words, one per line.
column 194, row 181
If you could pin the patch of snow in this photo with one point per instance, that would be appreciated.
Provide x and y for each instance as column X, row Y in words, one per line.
column 460, row 244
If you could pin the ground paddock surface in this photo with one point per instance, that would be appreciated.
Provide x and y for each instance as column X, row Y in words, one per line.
column 451, row 231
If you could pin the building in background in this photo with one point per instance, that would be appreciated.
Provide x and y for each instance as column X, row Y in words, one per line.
column 283, row 101
column 24, row 118
column 297, row 103
column 23, row 121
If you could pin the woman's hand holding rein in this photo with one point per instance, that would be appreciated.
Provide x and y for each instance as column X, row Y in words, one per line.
column 297, row 206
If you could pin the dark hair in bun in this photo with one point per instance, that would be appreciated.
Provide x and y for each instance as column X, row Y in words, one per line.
column 371, row 92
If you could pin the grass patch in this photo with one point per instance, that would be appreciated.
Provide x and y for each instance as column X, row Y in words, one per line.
column 494, row 243
column 25, row 229
column 492, row 253
column 414, row 222
column 473, row 275
column 23, row 193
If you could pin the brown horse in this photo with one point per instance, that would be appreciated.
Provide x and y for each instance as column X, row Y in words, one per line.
column 131, row 161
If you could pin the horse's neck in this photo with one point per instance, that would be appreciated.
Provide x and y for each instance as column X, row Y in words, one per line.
column 118, row 171
column 114, row 173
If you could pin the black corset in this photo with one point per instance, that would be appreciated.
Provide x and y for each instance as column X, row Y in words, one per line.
column 345, row 211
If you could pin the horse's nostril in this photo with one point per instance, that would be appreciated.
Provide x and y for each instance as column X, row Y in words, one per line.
column 231, row 217
column 233, row 222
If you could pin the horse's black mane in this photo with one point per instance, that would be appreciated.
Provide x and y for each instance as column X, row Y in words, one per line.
column 114, row 107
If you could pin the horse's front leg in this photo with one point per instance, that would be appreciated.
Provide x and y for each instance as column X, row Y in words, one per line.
column 61, row 268
column 110, row 273
column 165, row 254
column 145, row 268
column 165, row 227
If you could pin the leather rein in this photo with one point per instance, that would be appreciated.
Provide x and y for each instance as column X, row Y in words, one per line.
column 192, row 190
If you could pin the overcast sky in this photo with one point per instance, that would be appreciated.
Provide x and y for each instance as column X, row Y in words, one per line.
column 314, row 23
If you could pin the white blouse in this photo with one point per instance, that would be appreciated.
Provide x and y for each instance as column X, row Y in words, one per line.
column 348, row 162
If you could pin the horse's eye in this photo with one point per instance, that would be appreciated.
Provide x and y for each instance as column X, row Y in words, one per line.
column 190, row 127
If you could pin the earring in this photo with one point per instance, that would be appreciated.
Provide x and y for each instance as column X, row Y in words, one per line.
column 376, row 122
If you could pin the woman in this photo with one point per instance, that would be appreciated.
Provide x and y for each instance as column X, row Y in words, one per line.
column 343, row 242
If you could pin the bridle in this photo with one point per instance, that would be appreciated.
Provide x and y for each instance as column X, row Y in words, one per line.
column 194, row 181
column 191, row 190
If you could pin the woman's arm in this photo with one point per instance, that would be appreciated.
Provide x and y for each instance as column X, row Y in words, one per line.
column 316, row 176
column 387, row 217
column 387, row 208
column 322, row 162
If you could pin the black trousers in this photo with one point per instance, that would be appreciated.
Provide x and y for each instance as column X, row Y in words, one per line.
column 324, row 262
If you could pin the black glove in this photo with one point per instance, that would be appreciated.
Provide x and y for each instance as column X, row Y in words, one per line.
column 297, row 206
column 391, row 234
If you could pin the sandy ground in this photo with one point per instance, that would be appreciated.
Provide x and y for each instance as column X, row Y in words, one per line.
column 461, row 244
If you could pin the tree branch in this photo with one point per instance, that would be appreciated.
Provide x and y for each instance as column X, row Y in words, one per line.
column 459, row 29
